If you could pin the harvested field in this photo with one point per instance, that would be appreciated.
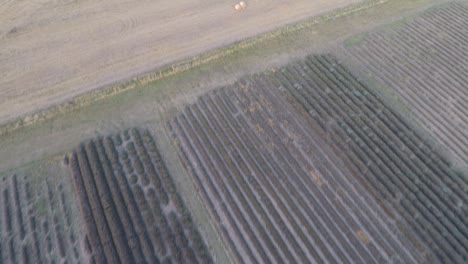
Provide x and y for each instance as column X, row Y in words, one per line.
column 36, row 223
column 129, row 204
column 52, row 51
column 307, row 163
column 425, row 61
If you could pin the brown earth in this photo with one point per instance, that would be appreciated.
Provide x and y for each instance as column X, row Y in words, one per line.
column 52, row 51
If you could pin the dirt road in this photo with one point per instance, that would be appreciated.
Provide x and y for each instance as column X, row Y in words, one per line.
column 52, row 51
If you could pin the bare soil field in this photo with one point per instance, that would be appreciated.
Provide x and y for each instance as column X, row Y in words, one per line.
column 306, row 162
column 52, row 51
column 424, row 60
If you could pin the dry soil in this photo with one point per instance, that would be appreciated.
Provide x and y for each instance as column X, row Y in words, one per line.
column 52, row 51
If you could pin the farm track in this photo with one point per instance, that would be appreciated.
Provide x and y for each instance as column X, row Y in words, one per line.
column 290, row 163
column 129, row 204
column 36, row 224
column 425, row 61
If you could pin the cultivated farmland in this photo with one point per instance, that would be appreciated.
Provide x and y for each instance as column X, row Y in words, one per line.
column 424, row 60
column 37, row 223
column 129, row 204
column 316, row 161
column 307, row 163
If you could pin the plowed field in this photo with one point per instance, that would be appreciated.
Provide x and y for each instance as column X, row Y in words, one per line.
column 307, row 163
column 424, row 60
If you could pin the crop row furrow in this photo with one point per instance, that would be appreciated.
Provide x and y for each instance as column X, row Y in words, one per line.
column 158, row 167
column 420, row 108
column 230, row 218
column 225, row 201
column 206, row 194
column 6, row 234
column 315, row 170
column 255, row 161
column 399, row 48
column 108, row 204
column 230, row 179
column 434, row 188
column 171, row 244
column 433, row 46
column 130, row 203
column 304, row 178
column 443, row 131
column 414, row 143
column 159, row 174
column 276, row 180
column 19, row 222
column 354, row 159
column 113, row 172
column 158, row 231
column 436, row 23
column 150, row 210
column 313, row 165
column 328, row 177
column 147, row 220
column 413, row 33
column 58, row 241
column 455, row 10
column 261, row 200
column 144, row 159
column 388, row 74
column 372, row 174
column 85, row 208
column 383, row 132
column 37, row 254
column 181, row 238
column 314, row 226
column 133, row 246
column 260, row 164
column 390, row 174
column 447, row 20
column 96, row 206
column 193, row 234
column 128, row 217
column 349, row 197
column 406, row 184
column 423, row 110
column 67, row 222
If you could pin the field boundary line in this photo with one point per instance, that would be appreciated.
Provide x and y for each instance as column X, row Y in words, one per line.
column 178, row 67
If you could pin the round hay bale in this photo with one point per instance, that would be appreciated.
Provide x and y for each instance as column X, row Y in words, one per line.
column 237, row 7
column 242, row 4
